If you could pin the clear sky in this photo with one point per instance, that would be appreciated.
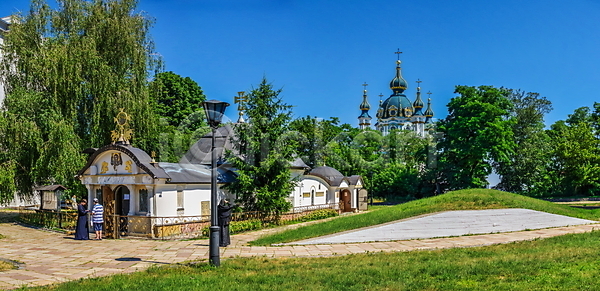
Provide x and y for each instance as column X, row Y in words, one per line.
column 321, row 52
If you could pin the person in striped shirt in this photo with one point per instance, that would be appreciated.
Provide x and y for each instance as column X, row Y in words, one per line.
column 98, row 218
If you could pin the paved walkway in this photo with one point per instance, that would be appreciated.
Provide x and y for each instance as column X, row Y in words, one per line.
column 452, row 223
column 50, row 257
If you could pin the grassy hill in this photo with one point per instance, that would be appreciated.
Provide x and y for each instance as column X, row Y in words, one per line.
column 469, row 199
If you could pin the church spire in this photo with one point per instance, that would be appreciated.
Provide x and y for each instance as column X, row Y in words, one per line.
column 429, row 111
column 365, row 103
column 240, row 100
column 364, row 120
column 398, row 84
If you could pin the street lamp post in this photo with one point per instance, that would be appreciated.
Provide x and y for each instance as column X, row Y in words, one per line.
column 214, row 110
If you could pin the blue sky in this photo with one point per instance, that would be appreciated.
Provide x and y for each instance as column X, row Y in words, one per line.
column 321, row 52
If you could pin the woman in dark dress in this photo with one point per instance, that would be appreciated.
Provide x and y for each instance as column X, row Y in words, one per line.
column 81, row 232
column 224, row 209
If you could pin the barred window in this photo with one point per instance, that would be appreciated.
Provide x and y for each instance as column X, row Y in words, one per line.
column 143, row 207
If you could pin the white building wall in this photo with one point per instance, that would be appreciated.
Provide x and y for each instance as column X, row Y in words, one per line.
column 310, row 191
column 166, row 200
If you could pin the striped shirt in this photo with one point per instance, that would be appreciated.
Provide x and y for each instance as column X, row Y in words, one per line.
column 97, row 214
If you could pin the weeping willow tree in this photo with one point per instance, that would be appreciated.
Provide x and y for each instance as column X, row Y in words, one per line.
column 67, row 71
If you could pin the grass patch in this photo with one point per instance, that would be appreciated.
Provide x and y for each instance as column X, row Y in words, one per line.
column 567, row 262
column 457, row 200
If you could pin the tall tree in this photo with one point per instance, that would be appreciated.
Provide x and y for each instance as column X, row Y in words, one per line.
column 526, row 170
column 179, row 101
column 476, row 133
column 79, row 63
column 317, row 132
column 575, row 157
column 265, row 151
column 179, row 107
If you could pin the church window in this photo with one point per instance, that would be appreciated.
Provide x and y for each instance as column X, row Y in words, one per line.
column 143, row 207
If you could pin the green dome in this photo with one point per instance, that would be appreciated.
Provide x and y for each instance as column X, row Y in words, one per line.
column 398, row 84
column 365, row 104
column 396, row 105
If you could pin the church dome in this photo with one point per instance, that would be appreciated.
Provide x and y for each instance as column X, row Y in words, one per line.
column 328, row 173
column 396, row 106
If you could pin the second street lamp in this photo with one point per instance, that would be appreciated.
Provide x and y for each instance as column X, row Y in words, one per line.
column 214, row 110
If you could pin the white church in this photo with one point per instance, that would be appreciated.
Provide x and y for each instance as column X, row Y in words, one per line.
column 397, row 111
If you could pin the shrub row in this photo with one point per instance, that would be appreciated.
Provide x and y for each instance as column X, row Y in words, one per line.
column 255, row 224
column 319, row 214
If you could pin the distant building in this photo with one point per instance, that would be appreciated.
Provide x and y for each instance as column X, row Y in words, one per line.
column 397, row 111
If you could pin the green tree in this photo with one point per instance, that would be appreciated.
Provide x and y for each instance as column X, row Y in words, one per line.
column 575, row 157
column 405, row 147
column 476, row 133
column 265, row 149
column 179, row 107
column 179, row 101
column 526, row 170
column 395, row 180
column 79, row 64
column 318, row 132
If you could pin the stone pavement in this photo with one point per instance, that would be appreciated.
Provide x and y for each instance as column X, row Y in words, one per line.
column 50, row 257
column 452, row 223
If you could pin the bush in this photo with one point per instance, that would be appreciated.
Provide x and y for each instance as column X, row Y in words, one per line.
column 239, row 226
column 319, row 214
column 245, row 225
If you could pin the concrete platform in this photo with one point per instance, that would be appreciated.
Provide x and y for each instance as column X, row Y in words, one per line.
column 453, row 223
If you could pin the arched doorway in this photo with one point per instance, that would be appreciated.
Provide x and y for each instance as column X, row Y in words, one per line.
column 345, row 199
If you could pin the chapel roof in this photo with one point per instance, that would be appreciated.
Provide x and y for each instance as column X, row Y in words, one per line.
column 298, row 163
column 200, row 151
column 50, row 188
column 195, row 173
column 139, row 157
column 330, row 174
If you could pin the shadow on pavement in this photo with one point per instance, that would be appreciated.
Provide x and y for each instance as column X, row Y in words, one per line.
column 134, row 259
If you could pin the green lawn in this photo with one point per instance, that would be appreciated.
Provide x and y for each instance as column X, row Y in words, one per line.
column 570, row 262
column 456, row 200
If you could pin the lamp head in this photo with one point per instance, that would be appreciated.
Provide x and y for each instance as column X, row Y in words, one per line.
column 214, row 110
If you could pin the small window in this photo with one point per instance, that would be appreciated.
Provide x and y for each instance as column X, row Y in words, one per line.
column 179, row 199
column 306, row 194
column 99, row 195
column 143, row 207
column 205, row 208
